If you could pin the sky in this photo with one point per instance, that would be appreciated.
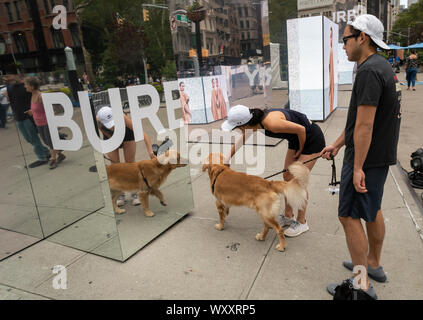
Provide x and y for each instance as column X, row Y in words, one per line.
column 404, row 2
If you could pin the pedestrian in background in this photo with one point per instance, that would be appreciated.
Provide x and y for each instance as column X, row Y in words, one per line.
column 32, row 85
column 20, row 102
column 371, row 138
column 411, row 69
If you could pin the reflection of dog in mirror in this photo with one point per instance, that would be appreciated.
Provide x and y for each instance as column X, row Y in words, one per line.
column 232, row 188
column 144, row 177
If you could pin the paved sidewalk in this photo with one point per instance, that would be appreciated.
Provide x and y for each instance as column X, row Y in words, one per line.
column 193, row 260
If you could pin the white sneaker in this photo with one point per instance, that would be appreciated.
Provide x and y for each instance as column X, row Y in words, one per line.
column 285, row 221
column 135, row 200
column 296, row 228
column 120, row 201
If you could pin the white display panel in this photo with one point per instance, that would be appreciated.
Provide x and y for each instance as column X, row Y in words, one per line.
column 345, row 67
column 309, row 59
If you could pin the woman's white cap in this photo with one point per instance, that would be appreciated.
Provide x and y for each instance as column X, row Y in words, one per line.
column 105, row 116
column 237, row 116
column 371, row 26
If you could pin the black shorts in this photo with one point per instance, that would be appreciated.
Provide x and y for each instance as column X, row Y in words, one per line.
column 361, row 205
column 315, row 141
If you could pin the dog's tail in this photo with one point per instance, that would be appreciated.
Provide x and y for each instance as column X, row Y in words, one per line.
column 295, row 190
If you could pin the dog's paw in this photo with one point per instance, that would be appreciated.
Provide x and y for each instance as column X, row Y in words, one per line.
column 120, row 211
column 149, row 213
column 219, row 226
column 260, row 237
column 280, row 248
column 163, row 203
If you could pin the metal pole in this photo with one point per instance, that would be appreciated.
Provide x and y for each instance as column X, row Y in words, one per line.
column 9, row 42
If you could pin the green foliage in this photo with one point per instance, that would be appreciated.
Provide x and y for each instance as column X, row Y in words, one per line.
column 118, row 39
column 280, row 11
column 169, row 70
column 195, row 6
column 411, row 19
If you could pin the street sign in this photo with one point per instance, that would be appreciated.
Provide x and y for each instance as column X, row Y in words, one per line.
column 182, row 18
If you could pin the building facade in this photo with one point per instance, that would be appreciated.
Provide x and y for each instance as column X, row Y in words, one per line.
column 20, row 43
column 342, row 11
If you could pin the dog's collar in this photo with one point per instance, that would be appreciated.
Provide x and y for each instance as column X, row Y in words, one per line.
column 214, row 182
column 145, row 180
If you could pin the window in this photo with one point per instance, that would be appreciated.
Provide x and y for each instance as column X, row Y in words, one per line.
column 243, row 37
column 57, row 36
column 9, row 12
column 37, row 45
column 66, row 4
column 20, row 41
column 246, row 11
column 242, row 24
column 240, row 12
column 2, row 45
column 75, row 35
column 52, row 4
column 248, row 24
column 18, row 13
column 248, row 35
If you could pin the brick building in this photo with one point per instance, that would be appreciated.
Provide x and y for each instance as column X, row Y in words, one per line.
column 20, row 41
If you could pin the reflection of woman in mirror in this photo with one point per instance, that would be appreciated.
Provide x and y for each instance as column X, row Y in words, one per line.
column 222, row 102
column 107, row 125
column 215, row 102
column 331, row 74
column 37, row 112
column 186, row 113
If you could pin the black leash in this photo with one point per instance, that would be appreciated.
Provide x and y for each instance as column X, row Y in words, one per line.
column 333, row 181
column 214, row 182
column 285, row 170
column 145, row 180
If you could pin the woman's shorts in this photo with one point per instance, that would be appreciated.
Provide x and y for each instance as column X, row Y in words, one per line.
column 361, row 205
column 45, row 136
column 315, row 141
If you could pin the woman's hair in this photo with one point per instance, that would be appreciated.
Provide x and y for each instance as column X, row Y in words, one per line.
column 181, row 83
column 258, row 116
column 33, row 82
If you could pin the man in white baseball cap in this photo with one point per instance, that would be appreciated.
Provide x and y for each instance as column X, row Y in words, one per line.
column 372, row 27
column 370, row 139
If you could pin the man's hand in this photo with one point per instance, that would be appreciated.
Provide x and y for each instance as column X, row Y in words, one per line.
column 328, row 151
column 28, row 112
column 359, row 181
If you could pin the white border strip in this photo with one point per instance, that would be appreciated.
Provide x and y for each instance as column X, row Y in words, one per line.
column 418, row 229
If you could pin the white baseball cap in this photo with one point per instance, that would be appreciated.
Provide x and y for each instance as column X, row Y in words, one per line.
column 371, row 26
column 105, row 116
column 237, row 116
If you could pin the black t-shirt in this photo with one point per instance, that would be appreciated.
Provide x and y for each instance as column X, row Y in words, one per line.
column 20, row 101
column 376, row 85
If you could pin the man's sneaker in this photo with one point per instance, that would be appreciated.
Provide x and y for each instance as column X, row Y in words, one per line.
column 296, row 228
column 376, row 274
column 53, row 164
column 284, row 221
column 37, row 163
column 332, row 288
column 135, row 200
column 60, row 157
column 120, row 201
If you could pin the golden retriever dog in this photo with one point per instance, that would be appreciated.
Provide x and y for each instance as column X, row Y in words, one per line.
column 232, row 188
column 144, row 177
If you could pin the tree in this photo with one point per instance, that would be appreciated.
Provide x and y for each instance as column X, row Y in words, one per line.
column 409, row 23
column 280, row 11
column 119, row 39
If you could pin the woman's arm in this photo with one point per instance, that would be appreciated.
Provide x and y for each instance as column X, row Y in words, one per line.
column 238, row 143
column 128, row 122
column 149, row 146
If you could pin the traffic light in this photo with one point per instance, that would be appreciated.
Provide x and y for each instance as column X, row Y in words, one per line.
column 145, row 15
